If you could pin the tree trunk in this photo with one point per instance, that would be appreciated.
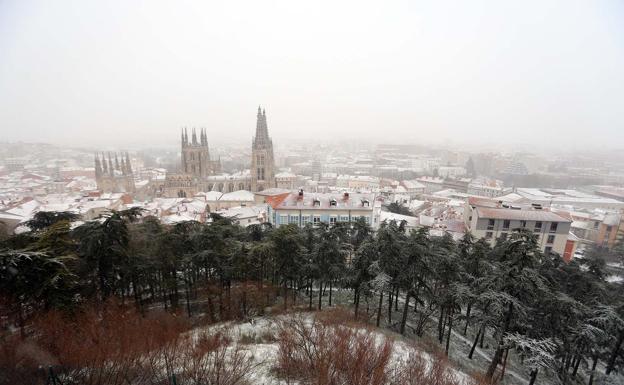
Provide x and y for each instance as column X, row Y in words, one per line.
column 499, row 350
column 450, row 328
column 576, row 365
column 533, row 376
column 390, row 306
column 441, row 324
column 320, row 295
column 285, row 293
column 188, row 299
column 310, row 294
column 468, row 309
column 379, row 308
column 357, row 303
column 405, row 310
column 474, row 344
column 593, row 370
column 331, row 281
column 396, row 300
column 504, row 364
column 614, row 353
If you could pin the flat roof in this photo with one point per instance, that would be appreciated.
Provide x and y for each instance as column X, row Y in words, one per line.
column 355, row 201
column 522, row 215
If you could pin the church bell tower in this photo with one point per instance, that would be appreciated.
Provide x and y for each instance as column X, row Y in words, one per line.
column 262, row 162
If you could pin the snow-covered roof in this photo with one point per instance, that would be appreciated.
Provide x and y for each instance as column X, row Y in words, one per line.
column 388, row 216
column 240, row 195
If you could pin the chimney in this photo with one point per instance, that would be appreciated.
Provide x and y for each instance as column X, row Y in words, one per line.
column 345, row 195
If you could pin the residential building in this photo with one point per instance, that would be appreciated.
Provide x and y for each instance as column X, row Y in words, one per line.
column 492, row 220
column 303, row 208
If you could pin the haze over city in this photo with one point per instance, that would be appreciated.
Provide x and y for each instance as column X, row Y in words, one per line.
column 316, row 193
column 481, row 73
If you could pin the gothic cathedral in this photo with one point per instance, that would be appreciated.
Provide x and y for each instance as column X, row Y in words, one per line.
column 199, row 173
column 262, row 162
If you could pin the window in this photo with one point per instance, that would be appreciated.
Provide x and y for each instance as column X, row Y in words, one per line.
column 305, row 219
column 283, row 219
column 332, row 220
column 550, row 239
column 317, row 219
column 490, row 224
column 538, row 227
column 522, row 223
column 293, row 220
column 547, row 249
column 344, row 218
column 367, row 219
column 506, row 224
column 553, row 227
column 332, row 202
column 488, row 235
column 503, row 236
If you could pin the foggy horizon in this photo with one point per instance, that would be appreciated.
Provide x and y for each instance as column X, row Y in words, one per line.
column 535, row 74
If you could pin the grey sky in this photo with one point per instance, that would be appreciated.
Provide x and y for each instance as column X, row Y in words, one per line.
column 120, row 72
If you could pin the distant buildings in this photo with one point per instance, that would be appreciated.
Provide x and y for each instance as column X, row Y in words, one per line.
column 487, row 188
column 567, row 197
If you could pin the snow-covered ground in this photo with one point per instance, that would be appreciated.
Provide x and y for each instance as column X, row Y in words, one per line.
column 259, row 337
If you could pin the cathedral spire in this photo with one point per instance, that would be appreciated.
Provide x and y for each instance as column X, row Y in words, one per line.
column 98, row 166
column 111, row 170
column 104, row 164
column 117, row 163
column 204, row 137
column 194, row 136
column 182, row 137
column 262, row 133
column 128, row 165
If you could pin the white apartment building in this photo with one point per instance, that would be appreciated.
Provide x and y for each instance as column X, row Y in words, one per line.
column 302, row 208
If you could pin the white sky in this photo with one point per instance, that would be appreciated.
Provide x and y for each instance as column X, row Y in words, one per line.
column 126, row 72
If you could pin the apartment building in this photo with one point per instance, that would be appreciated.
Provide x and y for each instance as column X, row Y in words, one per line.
column 491, row 220
column 302, row 208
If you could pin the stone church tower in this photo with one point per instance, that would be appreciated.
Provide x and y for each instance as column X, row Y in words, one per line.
column 114, row 177
column 262, row 162
column 196, row 156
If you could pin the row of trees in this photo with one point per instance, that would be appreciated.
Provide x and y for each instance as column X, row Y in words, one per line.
column 561, row 317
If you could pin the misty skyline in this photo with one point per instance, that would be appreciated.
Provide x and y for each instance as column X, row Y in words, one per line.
column 117, row 73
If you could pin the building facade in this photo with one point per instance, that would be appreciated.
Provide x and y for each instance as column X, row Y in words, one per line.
column 196, row 155
column 314, row 208
column 113, row 175
column 492, row 220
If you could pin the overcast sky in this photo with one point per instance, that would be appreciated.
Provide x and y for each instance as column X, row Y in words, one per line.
column 127, row 72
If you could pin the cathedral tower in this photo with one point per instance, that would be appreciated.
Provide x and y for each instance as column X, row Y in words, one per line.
column 262, row 162
column 196, row 156
column 114, row 177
